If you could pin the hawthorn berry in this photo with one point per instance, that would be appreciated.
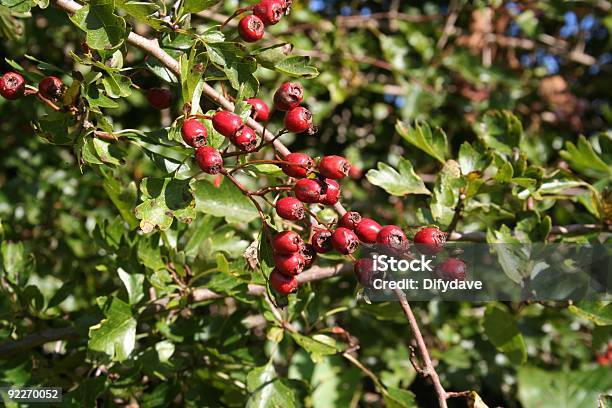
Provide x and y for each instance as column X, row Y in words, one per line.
column 452, row 269
column 287, row 242
column 332, row 192
column 251, row 28
column 309, row 253
column 260, row 110
column 301, row 165
column 290, row 208
column 288, row 96
column 321, row 241
column 307, row 190
column 12, row 86
column 282, row 284
column 363, row 269
column 393, row 237
column 270, row 11
column 298, row 120
column 209, row 159
column 350, row 220
column 245, row 139
column 194, row 133
column 344, row 241
column 367, row 230
column 51, row 87
column 334, row 167
column 159, row 98
column 289, row 264
column 429, row 240
column 226, row 123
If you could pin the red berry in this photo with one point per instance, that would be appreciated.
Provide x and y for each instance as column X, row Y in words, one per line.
column 226, row 123
column 251, row 28
column 301, row 165
column 334, row 167
column 344, row 241
column 309, row 253
column 363, row 270
column 290, row 208
column 298, row 120
column 159, row 98
column 321, row 241
column 452, row 269
column 270, row 11
column 430, row 240
column 245, row 139
column 307, row 190
column 350, row 220
column 393, row 237
column 51, row 87
column 332, row 192
column 288, row 96
column 194, row 133
column 602, row 359
column 12, row 86
column 260, row 110
column 282, row 284
column 287, row 242
column 289, row 264
column 209, row 159
column 367, row 230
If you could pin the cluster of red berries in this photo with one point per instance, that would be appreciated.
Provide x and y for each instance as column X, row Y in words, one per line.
column 291, row 256
column 265, row 13
column 13, row 86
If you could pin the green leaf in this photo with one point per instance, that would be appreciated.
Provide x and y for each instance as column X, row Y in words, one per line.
column 297, row 66
column 267, row 390
column 195, row 6
column 583, row 158
column 104, row 29
column 317, row 346
column 512, row 256
column 406, row 181
column 270, row 56
column 141, row 11
column 501, row 329
column 14, row 262
column 224, row 201
column 470, row 159
column 115, row 335
column 422, row 136
column 446, row 193
column 18, row 6
column 238, row 68
column 116, row 85
column 134, row 284
column 123, row 197
column 398, row 398
column 500, row 130
column 164, row 199
column 599, row 313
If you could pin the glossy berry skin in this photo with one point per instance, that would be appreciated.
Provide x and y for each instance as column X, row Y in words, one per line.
column 270, row 11
column 209, row 159
column 321, row 241
column 245, row 139
column 51, row 87
column 298, row 120
column 226, row 123
column 251, row 28
column 288, row 96
column 429, row 241
column 287, row 242
column 310, row 255
column 350, row 220
column 12, row 86
column 367, row 230
column 301, row 165
column 289, row 264
column 344, row 241
column 452, row 269
column 364, row 268
column 332, row 192
column 307, row 190
column 290, row 208
column 194, row 133
column 393, row 237
column 334, row 167
column 282, row 284
column 260, row 110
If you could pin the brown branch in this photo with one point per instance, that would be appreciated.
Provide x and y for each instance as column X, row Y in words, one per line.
column 12, row 348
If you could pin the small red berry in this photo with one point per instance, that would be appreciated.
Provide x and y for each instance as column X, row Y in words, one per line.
column 251, row 28
column 288, row 96
column 209, row 159
column 194, row 133
column 367, row 230
column 429, row 240
column 298, row 120
column 290, row 208
column 307, row 190
column 287, row 242
column 332, row 192
column 301, row 165
column 226, row 123
column 393, row 237
column 344, row 241
column 350, row 220
column 270, row 11
column 364, row 269
column 12, row 86
column 334, row 167
column 309, row 253
column 245, row 139
column 289, row 264
column 282, row 284
column 321, row 241
column 260, row 110
column 159, row 98
column 452, row 269
column 602, row 359
column 51, row 87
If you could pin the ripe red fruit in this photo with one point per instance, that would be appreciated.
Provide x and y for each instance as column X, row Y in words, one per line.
column 393, row 237
column 159, row 98
column 226, row 123
column 51, row 87
column 282, row 284
column 298, row 120
column 344, row 241
column 332, row 192
column 260, row 110
column 452, row 269
column 251, row 28
column 301, row 165
column 367, row 230
column 363, row 270
column 334, row 167
column 270, row 11
column 245, row 139
column 309, row 253
column 350, row 220
column 321, row 240
column 12, row 86
column 429, row 240
column 290, row 208
column 209, row 159
column 307, row 190
column 194, row 133
column 287, row 242
column 289, row 264
column 288, row 96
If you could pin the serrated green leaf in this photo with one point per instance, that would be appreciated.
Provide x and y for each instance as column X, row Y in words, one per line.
column 599, row 313
column 397, row 182
column 501, row 329
column 583, row 158
column 430, row 140
column 104, row 29
column 134, row 285
column 267, row 390
column 224, row 201
column 163, row 200
column 297, row 66
column 500, row 130
column 115, row 335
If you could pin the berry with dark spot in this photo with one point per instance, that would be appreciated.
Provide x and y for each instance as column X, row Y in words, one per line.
column 194, row 133
column 334, row 167
column 12, row 86
column 307, row 190
column 282, row 284
column 259, row 109
column 430, row 240
column 452, row 269
column 251, row 28
column 299, row 120
column 51, row 87
column 290, row 208
column 209, row 159
column 270, row 11
column 245, row 139
column 309, row 253
column 287, row 242
column 393, row 237
column 301, row 165
column 344, row 241
column 321, row 241
column 289, row 264
column 332, row 192
column 350, row 220
column 288, row 96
